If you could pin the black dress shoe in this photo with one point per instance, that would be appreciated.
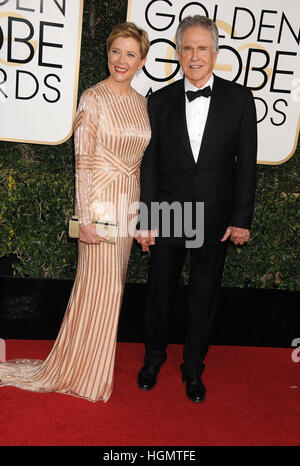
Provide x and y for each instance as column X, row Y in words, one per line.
column 147, row 376
column 195, row 389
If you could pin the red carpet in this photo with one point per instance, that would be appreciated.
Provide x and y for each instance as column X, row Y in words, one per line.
column 252, row 399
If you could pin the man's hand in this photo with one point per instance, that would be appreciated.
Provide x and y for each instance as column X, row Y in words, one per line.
column 237, row 235
column 146, row 238
column 88, row 234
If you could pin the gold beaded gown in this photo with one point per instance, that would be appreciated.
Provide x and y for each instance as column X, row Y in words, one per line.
column 111, row 134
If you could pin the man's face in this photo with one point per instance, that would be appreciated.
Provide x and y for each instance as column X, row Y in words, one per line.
column 196, row 56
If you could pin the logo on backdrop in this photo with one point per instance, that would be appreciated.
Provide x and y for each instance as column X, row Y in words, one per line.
column 259, row 48
column 39, row 64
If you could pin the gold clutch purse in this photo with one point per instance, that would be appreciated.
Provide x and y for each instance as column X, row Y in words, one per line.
column 109, row 229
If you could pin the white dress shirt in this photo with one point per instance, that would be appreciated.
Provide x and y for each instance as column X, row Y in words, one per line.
column 196, row 115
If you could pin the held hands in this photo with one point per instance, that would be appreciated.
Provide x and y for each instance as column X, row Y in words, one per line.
column 237, row 235
column 88, row 234
column 146, row 238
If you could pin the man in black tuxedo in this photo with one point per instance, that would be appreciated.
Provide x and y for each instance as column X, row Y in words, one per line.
column 202, row 150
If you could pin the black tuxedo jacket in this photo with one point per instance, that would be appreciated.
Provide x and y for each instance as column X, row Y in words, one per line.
column 224, row 175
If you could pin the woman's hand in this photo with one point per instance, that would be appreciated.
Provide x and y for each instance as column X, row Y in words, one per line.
column 88, row 234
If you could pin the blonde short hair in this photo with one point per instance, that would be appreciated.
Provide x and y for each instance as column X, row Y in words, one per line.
column 130, row 30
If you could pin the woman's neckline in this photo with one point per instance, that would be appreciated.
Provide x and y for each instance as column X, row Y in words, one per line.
column 116, row 93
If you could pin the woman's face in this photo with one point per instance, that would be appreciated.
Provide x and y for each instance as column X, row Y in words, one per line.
column 124, row 59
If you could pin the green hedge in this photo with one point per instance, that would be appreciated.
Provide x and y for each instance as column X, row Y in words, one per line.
column 37, row 197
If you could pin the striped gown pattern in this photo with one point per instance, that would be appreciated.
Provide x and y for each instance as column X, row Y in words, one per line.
column 111, row 134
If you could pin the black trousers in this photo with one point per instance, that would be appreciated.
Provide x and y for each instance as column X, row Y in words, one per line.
column 206, row 268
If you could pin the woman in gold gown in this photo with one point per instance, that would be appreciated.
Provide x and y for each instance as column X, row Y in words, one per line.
column 111, row 133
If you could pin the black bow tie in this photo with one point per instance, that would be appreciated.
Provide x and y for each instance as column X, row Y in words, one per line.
column 206, row 92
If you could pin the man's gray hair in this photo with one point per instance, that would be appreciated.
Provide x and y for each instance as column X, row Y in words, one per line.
column 202, row 21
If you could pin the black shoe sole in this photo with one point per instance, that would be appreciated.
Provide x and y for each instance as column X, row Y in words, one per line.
column 184, row 380
column 142, row 387
column 195, row 401
column 146, row 389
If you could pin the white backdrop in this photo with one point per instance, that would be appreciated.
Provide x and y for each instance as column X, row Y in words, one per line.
column 39, row 64
column 259, row 47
